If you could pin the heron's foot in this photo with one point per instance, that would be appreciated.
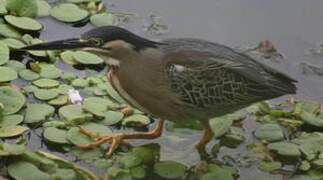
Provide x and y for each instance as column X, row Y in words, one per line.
column 118, row 138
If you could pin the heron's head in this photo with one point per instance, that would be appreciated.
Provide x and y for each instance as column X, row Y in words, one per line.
column 107, row 41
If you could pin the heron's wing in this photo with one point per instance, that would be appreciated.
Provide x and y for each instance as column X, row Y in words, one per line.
column 207, row 79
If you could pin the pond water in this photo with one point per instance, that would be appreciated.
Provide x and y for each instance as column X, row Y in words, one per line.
column 294, row 27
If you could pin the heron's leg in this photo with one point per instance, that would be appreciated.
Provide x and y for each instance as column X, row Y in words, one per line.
column 118, row 138
column 207, row 137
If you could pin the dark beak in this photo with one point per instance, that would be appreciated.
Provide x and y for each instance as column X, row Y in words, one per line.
column 59, row 45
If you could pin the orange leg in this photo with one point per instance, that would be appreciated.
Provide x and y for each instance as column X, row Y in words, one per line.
column 207, row 137
column 118, row 138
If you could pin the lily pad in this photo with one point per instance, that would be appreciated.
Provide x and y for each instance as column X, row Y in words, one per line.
column 87, row 58
column 59, row 101
column 97, row 106
column 170, row 169
column 312, row 119
column 46, row 94
column 11, row 131
column 38, row 112
column 308, row 107
column 24, row 23
column 12, row 99
column 68, row 12
column 111, row 117
column 26, row 8
column 13, row 43
column 67, row 57
column 270, row 166
column 28, row 75
column 22, row 170
column 49, row 71
column 55, row 135
column 285, row 149
column 130, row 160
column 103, row 19
column 7, row 30
column 97, row 128
column 269, row 132
column 16, row 65
column 43, row 8
column 7, row 74
column 11, row 120
column 4, row 53
column 46, row 83
column 217, row 175
column 3, row 9
column 74, row 114
column 136, row 120
column 80, row 83
column 220, row 125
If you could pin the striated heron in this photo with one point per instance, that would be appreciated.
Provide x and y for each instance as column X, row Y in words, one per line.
column 176, row 79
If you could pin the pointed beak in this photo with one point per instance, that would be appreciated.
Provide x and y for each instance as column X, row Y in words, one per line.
column 59, row 45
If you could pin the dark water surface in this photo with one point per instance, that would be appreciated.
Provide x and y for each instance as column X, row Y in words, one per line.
column 294, row 27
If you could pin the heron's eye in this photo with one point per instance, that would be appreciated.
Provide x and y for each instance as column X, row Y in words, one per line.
column 97, row 42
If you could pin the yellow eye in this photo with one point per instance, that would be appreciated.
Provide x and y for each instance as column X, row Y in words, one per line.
column 97, row 42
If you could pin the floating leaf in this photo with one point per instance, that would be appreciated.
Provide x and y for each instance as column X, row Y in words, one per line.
column 170, row 169
column 38, row 112
column 218, row 175
column 103, row 19
column 8, row 31
column 111, row 117
column 3, row 9
column 18, row 66
column 136, row 120
column 97, row 106
column 59, row 101
column 269, row 166
column 11, row 120
column 87, row 58
column 130, row 160
column 68, row 58
column 285, row 149
column 55, row 135
column 74, row 114
column 23, row 7
column 43, row 8
column 82, row 1
column 79, row 82
column 46, row 83
column 45, row 94
column 67, row 12
column 138, row 172
column 22, row 170
column 76, row 137
column 12, row 100
column 309, row 107
column 11, row 131
column 7, row 74
column 13, row 43
column 24, row 23
column 312, row 119
column 49, row 71
column 269, row 132
column 97, row 128
column 4, row 53
column 220, row 125
column 28, row 75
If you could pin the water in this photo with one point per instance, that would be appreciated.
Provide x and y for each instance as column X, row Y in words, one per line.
column 294, row 27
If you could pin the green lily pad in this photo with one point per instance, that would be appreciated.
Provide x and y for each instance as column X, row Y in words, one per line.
column 22, row 170
column 46, row 83
column 138, row 172
column 82, row 1
column 68, row 76
column 12, row 99
column 63, row 88
column 285, row 149
column 24, row 23
column 11, row 120
column 87, row 58
column 308, row 107
column 170, row 169
column 136, row 120
column 16, row 65
column 49, row 71
column 4, row 53
column 220, row 125
column 3, row 9
column 80, row 83
column 269, row 166
column 13, row 43
column 130, row 160
column 55, row 135
column 312, row 119
column 26, row 8
column 7, row 74
column 97, row 106
column 74, row 114
column 76, row 137
column 30, row 88
column 59, row 101
column 11, row 131
column 217, row 175
column 67, row 12
column 43, row 8
column 111, row 117
column 103, row 19
column 28, row 75
column 269, row 132
column 112, row 92
column 7, row 30
column 68, row 58
column 38, row 112
column 146, row 154
column 46, row 94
